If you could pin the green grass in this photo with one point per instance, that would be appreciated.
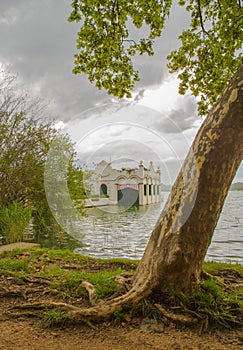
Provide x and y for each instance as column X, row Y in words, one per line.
column 211, row 287
column 9, row 265
column 69, row 282
column 236, row 298
column 118, row 318
column 66, row 270
column 52, row 273
column 104, row 282
column 215, row 267
column 221, row 305
column 66, row 255
column 54, row 318
column 121, row 261
column 53, row 255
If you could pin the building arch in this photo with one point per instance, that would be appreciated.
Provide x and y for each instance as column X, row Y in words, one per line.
column 121, row 180
column 103, row 189
column 134, row 179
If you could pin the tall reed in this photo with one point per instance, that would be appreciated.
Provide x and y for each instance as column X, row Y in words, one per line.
column 14, row 221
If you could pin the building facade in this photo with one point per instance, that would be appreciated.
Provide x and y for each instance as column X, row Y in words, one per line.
column 138, row 186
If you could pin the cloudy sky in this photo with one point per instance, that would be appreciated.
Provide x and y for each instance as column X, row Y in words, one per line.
column 38, row 44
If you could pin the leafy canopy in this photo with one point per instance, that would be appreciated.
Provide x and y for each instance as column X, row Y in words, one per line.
column 208, row 56
column 105, row 47
column 210, row 49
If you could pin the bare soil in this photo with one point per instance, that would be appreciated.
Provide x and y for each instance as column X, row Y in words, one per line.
column 27, row 334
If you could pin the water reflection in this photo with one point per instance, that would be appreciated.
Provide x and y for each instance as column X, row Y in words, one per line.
column 227, row 243
column 120, row 233
column 49, row 238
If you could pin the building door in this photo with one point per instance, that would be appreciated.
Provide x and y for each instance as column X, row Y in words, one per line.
column 128, row 196
column 103, row 190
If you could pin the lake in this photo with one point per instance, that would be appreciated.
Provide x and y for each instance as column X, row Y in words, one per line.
column 115, row 232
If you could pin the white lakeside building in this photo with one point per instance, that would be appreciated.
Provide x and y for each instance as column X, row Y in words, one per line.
column 138, row 186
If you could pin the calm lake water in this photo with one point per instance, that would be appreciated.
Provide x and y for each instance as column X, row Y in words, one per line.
column 115, row 232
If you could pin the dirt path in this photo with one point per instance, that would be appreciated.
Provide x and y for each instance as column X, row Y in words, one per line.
column 20, row 245
column 28, row 335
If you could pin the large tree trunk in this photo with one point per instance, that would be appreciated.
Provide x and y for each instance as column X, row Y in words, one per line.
column 179, row 242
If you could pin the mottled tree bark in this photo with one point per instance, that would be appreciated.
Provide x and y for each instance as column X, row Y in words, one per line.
column 179, row 242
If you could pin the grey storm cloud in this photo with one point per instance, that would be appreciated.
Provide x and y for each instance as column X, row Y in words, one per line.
column 119, row 152
column 38, row 43
column 128, row 154
column 153, row 69
column 179, row 118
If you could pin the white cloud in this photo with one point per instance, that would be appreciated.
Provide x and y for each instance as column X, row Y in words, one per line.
column 162, row 97
column 128, row 132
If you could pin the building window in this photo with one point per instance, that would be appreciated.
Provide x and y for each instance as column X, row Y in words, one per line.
column 150, row 190
column 154, row 189
column 145, row 190
column 103, row 190
column 157, row 189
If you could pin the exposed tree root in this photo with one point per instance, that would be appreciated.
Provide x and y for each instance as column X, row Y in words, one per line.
column 6, row 293
column 123, row 282
column 204, row 325
column 88, row 323
column 91, row 291
column 37, row 280
column 182, row 319
column 99, row 311
column 205, row 275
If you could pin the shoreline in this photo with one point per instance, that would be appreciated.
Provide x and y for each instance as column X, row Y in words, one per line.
column 40, row 277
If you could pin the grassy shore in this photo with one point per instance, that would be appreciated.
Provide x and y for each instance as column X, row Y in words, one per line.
column 56, row 276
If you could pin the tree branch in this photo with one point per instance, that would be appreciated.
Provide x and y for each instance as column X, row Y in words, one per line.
column 201, row 18
column 219, row 4
column 129, row 41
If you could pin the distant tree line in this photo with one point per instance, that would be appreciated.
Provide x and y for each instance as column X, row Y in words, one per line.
column 238, row 186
